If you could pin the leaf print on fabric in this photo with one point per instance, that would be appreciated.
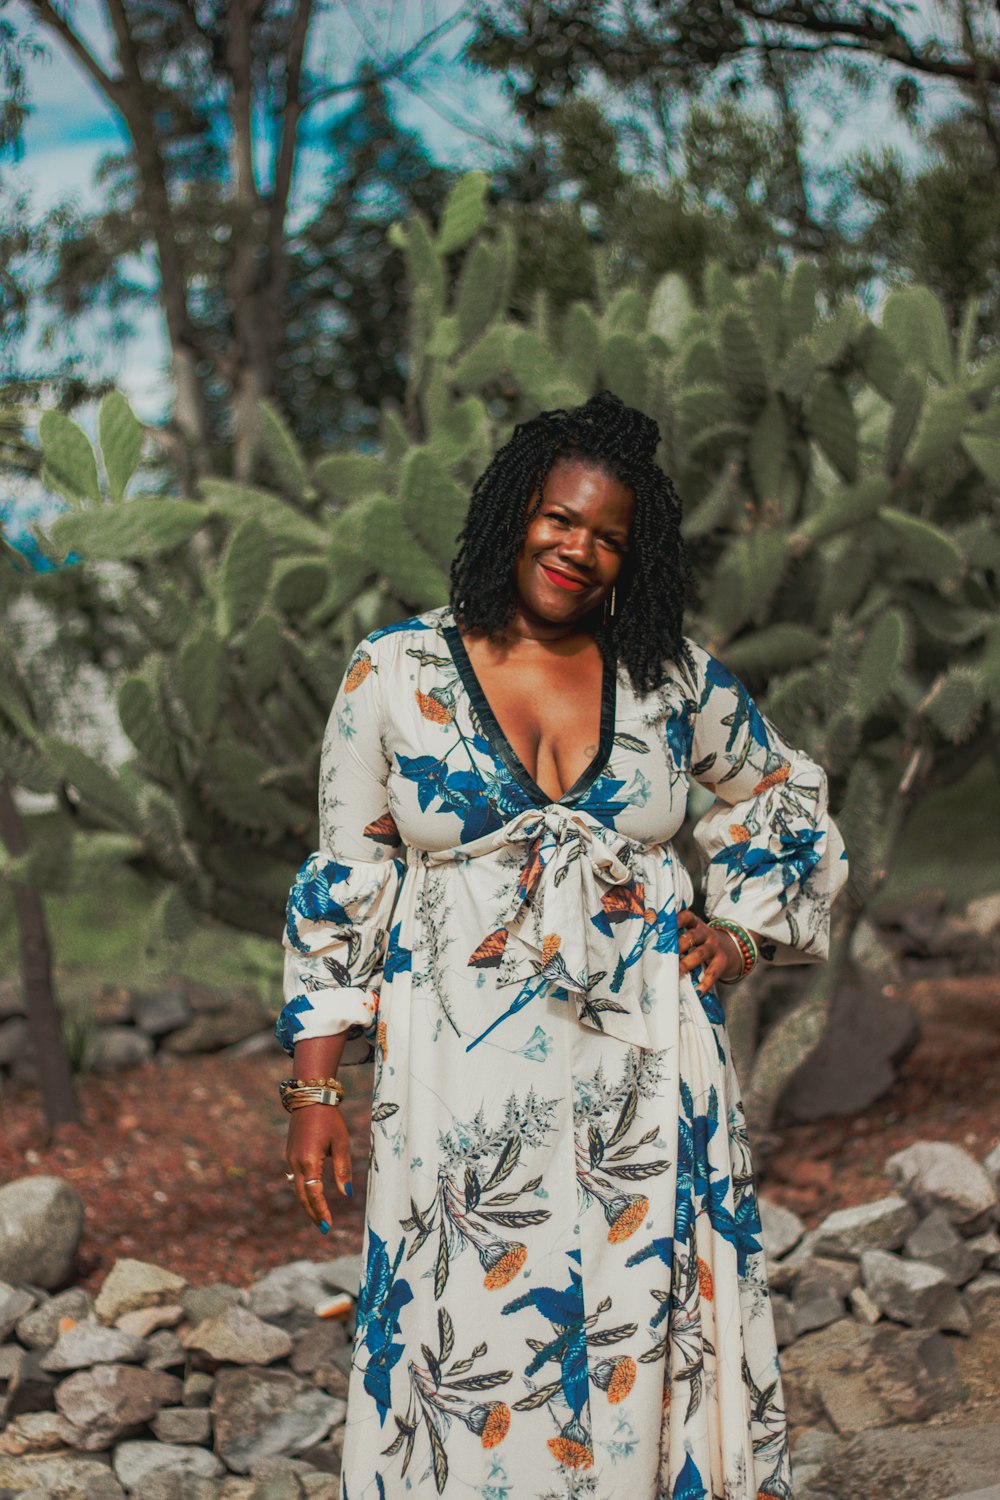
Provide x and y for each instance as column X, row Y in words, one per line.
column 605, row 1161
column 381, row 1297
column 442, row 1392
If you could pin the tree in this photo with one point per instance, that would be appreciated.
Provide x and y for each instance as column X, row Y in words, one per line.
column 212, row 98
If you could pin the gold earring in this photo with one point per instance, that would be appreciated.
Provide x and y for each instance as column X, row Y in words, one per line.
column 612, row 601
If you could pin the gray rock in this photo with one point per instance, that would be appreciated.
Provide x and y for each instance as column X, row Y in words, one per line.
column 982, row 1296
column 936, row 1242
column 342, row 1273
column 183, row 1424
column 868, row 1034
column 111, row 1402
column 882, row 1225
column 166, row 1484
column 782, row 1228
column 782, row 1273
column 201, row 1302
column 41, row 1220
column 15, row 1040
column 157, row 1012
column 295, row 1287
column 110, row 1049
column 816, row 1312
column 14, row 1303
column 35, row 1432
column 39, row 1328
column 60, row 1477
column 936, row 1174
column 316, row 1349
column 822, row 1274
column 198, row 1388
column 781, row 1311
column 912, row 1292
column 264, row 1413
column 237, row 1336
column 992, row 1492
column 907, row 1464
column 166, row 1352
column 28, row 1386
column 136, row 1462
column 146, row 1320
column 243, row 1016
column 90, row 1343
column 862, row 1306
column 987, row 1246
column 131, row 1284
column 914, row 1372
column 991, row 1166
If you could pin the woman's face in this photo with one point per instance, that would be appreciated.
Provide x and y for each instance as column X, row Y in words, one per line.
column 575, row 545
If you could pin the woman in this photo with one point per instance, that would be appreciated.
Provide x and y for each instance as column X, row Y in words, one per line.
column 563, row 1288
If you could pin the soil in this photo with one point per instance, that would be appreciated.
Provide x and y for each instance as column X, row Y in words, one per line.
column 183, row 1164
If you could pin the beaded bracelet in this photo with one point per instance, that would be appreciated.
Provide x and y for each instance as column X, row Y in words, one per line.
column 298, row 1092
column 749, row 952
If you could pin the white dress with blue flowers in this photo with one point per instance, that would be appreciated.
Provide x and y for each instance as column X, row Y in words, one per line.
column 564, row 1291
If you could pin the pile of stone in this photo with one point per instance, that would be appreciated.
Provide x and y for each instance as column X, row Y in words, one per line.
column 126, row 1028
column 869, row 1308
column 159, row 1389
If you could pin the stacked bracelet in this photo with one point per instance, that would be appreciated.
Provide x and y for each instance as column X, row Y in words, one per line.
column 748, row 948
column 296, row 1093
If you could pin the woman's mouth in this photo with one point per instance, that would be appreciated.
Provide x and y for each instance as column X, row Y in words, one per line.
column 562, row 580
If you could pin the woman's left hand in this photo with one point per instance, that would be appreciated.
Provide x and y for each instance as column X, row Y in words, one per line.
column 711, row 947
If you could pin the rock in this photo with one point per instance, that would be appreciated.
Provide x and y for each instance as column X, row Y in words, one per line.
column 867, row 1037
column 166, row 1352
column 821, row 1274
column 14, row 1040
column 343, row 1273
column 254, row 1046
column 35, row 1432
column 824, row 1379
column 132, row 1284
column 39, row 1328
column 157, row 1012
column 183, row 1424
column 135, row 1462
column 110, row 1402
column 41, row 1220
column 14, row 1303
column 987, row 1247
column 315, row 1350
column 146, row 1320
column 864, row 1309
column 88, row 1343
column 295, row 1287
column 237, row 1336
column 991, row 1166
column 935, row 1242
column 914, row 1372
column 782, row 1228
column 263, row 1413
column 936, row 1174
column 982, row 1296
column 110, row 1049
column 816, row 1312
column 992, row 1492
column 781, row 1312
column 112, row 1005
column 243, row 1016
column 68, row 1477
column 912, row 1292
column 882, row 1225
column 907, row 1464
column 165, row 1484
column 29, row 1387
column 202, row 1302
column 198, row 1388
column 781, row 1275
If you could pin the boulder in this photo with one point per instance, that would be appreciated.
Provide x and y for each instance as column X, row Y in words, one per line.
column 907, row 1464
column 60, row 1477
column 914, row 1371
column 110, row 1049
column 263, row 1413
column 41, row 1221
column 881, row 1225
column 39, row 1328
column 134, row 1284
column 912, row 1292
column 936, row 1174
column 111, row 1402
column 158, row 1012
column 936, row 1242
column 90, row 1343
column 237, row 1336
column 782, row 1229
column 136, row 1462
column 868, row 1035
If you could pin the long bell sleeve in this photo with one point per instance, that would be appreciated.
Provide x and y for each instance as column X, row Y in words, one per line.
column 772, row 857
column 338, row 935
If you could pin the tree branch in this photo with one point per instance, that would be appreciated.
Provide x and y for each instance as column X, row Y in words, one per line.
column 48, row 16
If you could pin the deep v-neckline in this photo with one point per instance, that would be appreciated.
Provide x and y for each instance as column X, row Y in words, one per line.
column 502, row 746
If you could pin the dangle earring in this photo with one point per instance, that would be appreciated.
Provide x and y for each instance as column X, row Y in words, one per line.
column 609, row 615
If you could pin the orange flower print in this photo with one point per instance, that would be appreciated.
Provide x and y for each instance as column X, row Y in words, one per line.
column 573, row 1455
column 622, row 1379
column 381, row 1033
column 550, row 946
column 506, row 1268
column 773, row 778
column 497, row 1424
column 629, row 1220
column 706, row 1283
column 739, row 833
column 358, row 672
column 433, row 709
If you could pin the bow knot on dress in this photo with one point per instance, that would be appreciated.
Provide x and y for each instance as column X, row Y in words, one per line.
column 577, row 919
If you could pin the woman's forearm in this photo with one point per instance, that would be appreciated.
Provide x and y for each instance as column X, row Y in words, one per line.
column 319, row 1056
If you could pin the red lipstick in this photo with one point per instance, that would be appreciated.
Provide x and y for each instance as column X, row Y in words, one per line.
column 561, row 581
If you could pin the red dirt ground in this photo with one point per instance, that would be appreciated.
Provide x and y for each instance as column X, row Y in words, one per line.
column 183, row 1165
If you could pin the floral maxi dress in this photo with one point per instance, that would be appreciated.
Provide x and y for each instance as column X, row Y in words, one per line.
column 563, row 1284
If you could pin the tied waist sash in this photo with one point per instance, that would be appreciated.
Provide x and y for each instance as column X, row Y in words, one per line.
column 578, row 919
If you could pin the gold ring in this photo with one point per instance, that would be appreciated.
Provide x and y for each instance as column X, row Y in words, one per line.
column 310, row 1180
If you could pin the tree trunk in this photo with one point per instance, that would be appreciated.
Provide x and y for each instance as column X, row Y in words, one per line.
column 54, row 1071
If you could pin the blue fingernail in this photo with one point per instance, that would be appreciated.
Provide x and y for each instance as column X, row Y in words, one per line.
column 349, row 1189
column 324, row 1226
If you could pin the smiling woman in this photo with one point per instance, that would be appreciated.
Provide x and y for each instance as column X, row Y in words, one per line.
column 564, row 1289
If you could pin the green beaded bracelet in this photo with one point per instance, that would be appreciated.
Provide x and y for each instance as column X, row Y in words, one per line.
column 748, row 948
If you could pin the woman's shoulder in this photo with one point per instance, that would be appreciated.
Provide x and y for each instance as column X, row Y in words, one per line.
column 386, row 641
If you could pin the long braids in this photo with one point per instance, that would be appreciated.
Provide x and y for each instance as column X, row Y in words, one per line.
column 655, row 582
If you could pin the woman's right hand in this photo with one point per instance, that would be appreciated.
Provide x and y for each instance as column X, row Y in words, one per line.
column 315, row 1132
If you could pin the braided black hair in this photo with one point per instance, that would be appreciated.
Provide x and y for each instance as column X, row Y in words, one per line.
column 655, row 582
